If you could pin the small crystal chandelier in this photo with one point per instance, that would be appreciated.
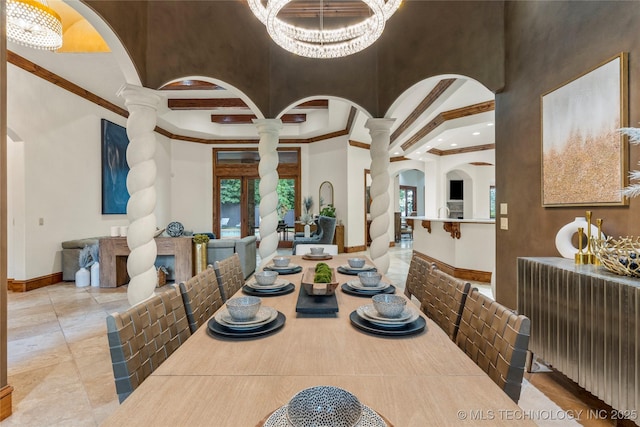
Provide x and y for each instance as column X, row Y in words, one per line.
column 321, row 42
column 34, row 24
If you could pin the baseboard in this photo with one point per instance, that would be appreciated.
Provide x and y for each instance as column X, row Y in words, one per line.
column 5, row 402
column 459, row 273
column 35, row 283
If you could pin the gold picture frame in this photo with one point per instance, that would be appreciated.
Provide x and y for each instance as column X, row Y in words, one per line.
column 584, row 155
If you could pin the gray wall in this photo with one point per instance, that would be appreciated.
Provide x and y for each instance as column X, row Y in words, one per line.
column 548, row 44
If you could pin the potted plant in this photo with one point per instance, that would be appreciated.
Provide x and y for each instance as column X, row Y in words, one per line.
column 83, row 277
column 328, row 210
column 200, row 252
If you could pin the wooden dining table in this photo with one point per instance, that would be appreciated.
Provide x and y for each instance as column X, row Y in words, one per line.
column 416, row 380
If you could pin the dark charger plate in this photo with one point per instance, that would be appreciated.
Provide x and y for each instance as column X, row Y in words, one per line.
column 217, row 329
column 282, row 291
column 354, row 272
column 285, row 271
column 414, row 327
column 357, row 292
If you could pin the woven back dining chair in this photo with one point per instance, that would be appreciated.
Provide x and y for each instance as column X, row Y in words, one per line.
column 229, row 275
column 201, row 297
column 444, row 298
column 419, row 270
column 143, row 337
column 496, row 339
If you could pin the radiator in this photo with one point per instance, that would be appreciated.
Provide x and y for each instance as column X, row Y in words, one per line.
column 585, row 323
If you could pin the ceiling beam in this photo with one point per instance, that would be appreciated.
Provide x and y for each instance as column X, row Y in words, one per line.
column 247, row 119
column 206, row 103
column 359, row 144
column 471, row 110
column 462, row 150
column 314, row 104
column 428, row 100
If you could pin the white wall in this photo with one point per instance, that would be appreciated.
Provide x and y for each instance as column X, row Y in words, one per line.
column 15, row 209
column 60, row 133
column 359, row 160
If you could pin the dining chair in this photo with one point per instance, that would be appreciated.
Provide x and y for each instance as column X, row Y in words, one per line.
column 229, row 275
column 444, row 298
column 419, row 270
column 326, row 232
column 143, row 337
column 496, row 339
column 305, row 249
column 201, row 297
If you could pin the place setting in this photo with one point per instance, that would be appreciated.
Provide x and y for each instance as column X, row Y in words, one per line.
column 245, row 317
column 325, row 406
column 388, row 315
column 317, row 254
column 355, row 266
column 266, row 283
column 369, row 283
column 283, row 266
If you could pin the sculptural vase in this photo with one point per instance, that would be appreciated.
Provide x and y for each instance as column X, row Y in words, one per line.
column 95, row 274
column 83, row 278
column 199, row 257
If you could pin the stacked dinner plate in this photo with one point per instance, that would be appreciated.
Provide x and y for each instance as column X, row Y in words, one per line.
column 267, row 320
column 355, row 287
column 289, row 269
column 368, row 319
column 371, row 315
column 353, row 271
column 279, row 287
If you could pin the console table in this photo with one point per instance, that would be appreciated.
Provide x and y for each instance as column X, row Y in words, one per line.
column 114, row 252
column 585, row 322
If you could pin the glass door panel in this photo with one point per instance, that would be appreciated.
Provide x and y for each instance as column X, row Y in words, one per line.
column 230, row 191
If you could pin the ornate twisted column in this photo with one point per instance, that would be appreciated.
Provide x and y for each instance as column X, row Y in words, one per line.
column 142, row 104
column 269, row 131
column 379, row 129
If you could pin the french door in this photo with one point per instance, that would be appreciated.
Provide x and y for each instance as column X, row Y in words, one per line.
column 408, row 200
column 236, row 192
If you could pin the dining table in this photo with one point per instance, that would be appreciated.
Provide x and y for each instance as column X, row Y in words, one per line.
column 421, row 379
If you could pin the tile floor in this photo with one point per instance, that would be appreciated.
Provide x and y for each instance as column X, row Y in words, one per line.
column 60, row 368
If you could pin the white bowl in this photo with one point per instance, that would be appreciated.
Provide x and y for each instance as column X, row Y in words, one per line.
column 281, row 261
column 324, row 406
column 356, row 262
column 266, row 277
column 369, row 278
column 242, row 309
column 389, row 305
column 316, row 251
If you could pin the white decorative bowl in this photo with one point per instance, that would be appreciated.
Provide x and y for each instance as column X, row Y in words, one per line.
column 324, row 406
column 356, row 262
column 389, row 305
column 242, row 309
column 369, row 278
column 316, row 251
column 266, row 277
column 281, row 261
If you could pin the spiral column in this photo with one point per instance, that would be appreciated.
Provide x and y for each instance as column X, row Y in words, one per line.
column 269, row 131
column 379, row 129
column 142, row 104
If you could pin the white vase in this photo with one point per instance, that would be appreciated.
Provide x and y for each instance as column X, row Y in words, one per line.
column 95, row 274
column 83, row 278
column 307, row 231
column 565, row 235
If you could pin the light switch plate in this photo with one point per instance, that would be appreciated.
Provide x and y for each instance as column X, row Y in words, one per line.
column 503, row 209
column 504, row 223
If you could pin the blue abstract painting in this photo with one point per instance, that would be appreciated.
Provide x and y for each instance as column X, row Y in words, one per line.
column 114, row 168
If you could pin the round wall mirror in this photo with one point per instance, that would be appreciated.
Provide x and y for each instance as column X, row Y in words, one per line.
column 326, row 194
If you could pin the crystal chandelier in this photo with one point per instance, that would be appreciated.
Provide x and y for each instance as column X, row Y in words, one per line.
column 321, row 42
column 34, row 24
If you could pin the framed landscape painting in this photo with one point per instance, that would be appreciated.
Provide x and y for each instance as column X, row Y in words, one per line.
column 114, row 168
column 584, row 155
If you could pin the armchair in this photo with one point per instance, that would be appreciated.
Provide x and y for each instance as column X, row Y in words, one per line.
column 324, row 235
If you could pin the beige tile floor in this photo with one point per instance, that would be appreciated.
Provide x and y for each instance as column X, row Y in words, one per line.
column 58, row 356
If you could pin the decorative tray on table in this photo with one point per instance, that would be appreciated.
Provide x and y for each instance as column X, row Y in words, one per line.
column 317, row 298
